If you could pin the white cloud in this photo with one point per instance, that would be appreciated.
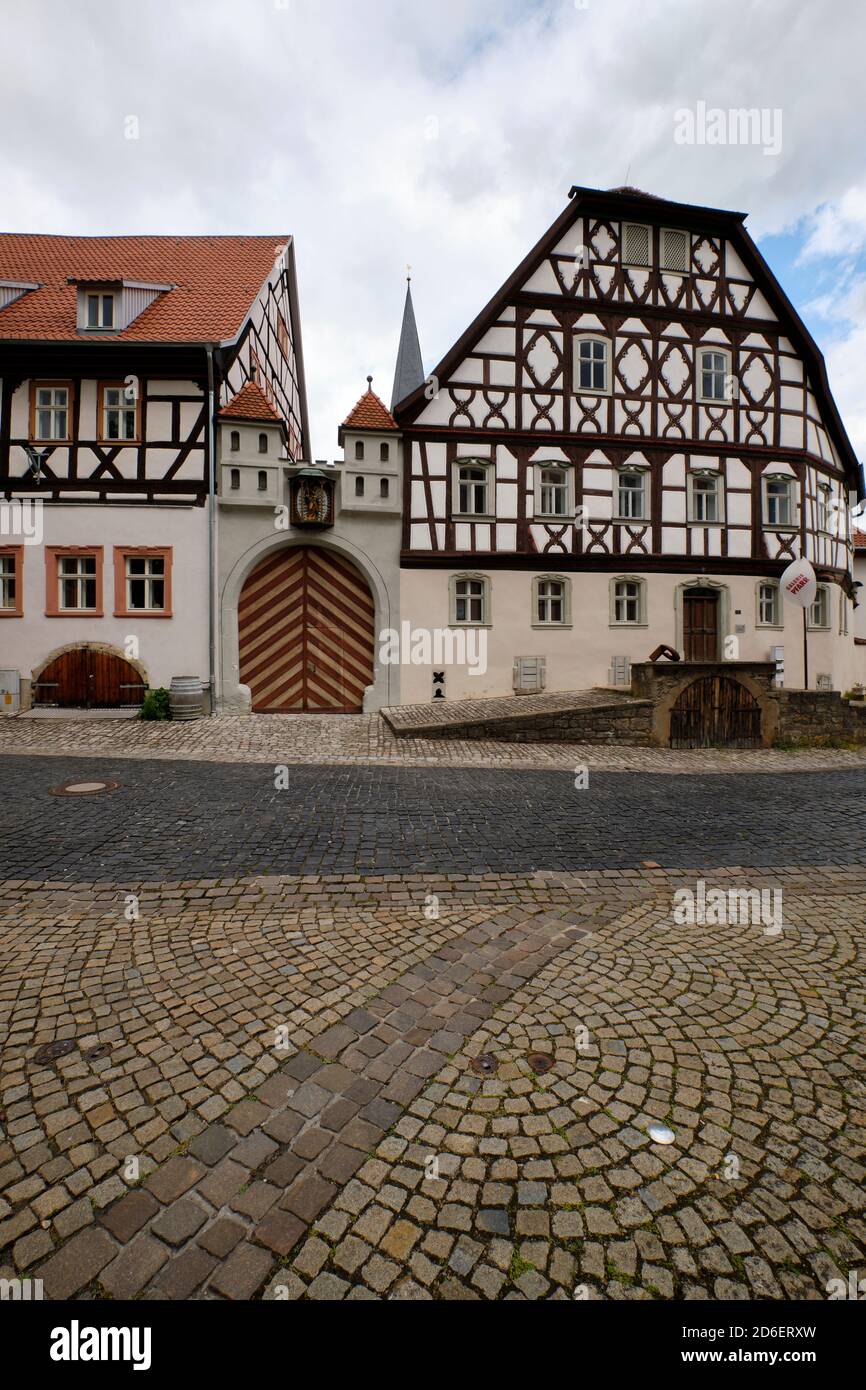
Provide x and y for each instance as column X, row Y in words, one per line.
column 315, row 118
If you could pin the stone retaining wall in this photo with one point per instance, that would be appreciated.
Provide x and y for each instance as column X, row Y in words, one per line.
column 623, row 722
column 820, row 714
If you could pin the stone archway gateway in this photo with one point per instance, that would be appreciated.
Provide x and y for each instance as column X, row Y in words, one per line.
column 715, row 712
column 88, row 676
column 306, row 632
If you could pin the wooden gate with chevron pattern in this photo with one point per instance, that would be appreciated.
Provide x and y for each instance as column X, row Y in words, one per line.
column 306, row 632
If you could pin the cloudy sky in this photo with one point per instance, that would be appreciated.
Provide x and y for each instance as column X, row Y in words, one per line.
column 446, row 135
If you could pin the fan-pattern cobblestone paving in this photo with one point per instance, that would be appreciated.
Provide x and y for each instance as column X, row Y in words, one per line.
column 289, row 1063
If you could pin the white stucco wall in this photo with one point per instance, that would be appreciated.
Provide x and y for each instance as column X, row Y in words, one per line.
column 167, row 646
column 580, row 657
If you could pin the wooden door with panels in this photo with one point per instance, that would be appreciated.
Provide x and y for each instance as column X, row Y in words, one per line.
column 700, row 625
column 89, row 678
column 306, row 633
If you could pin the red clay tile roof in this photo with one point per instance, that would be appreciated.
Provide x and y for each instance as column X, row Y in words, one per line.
column 859, row 538
column 370, row 414
column 250, row 403
column 216, row 279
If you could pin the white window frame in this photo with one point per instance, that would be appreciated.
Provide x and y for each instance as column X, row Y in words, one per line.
column 80, row 578
column 604, row 343
column 616, row 599
column 727, row 372
column 793, row 508
column 693, row 492
column 101, row 298
column 553, row 466
column 123, row 408
column 674, row 231
column 9, row 580
column 454, row 596
column 619, row 515
column 540, row 580
column 760, row 621
column 823, row 509
column 638, row 265
column 822, row 597
column 488, row 484
column 148, row 579
column 54, row 409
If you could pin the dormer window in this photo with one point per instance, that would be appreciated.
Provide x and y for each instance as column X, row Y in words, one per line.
column 100, row 310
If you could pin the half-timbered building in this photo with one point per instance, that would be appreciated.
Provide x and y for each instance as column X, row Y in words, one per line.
column 625, row 449
column 117, row 357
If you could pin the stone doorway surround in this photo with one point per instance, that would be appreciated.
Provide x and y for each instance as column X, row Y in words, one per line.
column 664, row 681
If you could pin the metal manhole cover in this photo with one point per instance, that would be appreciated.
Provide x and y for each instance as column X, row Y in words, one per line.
column 94, row 1053
column 485, row 1065
column 540, row 1062
column 56, row 1049
column 74, row 788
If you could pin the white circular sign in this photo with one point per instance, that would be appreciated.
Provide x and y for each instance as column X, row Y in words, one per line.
column 799, row 583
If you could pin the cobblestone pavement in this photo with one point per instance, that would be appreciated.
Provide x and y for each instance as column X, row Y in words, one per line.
column 289, row 1063
column 366, row 738
column 191, row 820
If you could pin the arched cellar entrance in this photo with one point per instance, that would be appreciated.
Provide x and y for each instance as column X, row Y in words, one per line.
column 306, row 636
column 88, row 677
column 715, row 712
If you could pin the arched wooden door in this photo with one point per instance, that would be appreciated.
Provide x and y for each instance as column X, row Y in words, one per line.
column 88, row 678
column 715, row 712
column 306, row 632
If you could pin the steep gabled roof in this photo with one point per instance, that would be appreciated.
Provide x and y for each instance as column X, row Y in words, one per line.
column 409, row 371
column 630, row 201
column 369, row 413
column 250, row 403
column 214, row 281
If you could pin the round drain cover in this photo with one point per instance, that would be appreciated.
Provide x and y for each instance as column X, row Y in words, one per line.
column 660, row 1134
column 83, row 788
column 50, row 1051
column 540, row 1062
column 485, row 1065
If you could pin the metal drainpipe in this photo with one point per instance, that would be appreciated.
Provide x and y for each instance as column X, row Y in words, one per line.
column 212, row 571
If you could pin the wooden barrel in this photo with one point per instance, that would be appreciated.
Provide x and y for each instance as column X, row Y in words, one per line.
column 185, row 697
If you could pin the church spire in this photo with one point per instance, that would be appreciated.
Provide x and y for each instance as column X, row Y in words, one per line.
column 409, row 372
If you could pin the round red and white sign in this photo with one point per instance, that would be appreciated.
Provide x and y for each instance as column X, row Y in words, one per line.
column 799, row 583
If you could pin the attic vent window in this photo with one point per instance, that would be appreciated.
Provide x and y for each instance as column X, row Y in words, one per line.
column 674, row 251
column 635, row 244
column 100, row 311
